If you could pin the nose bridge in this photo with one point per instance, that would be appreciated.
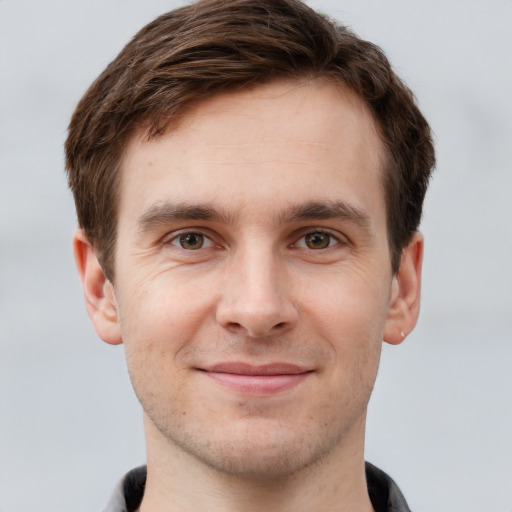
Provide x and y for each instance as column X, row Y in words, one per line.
column 259, row 278
column 256, row 298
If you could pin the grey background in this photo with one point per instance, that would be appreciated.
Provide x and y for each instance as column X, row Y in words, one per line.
column 440, row 420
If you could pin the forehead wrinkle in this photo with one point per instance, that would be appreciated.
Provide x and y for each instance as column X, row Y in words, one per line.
column 165, row 212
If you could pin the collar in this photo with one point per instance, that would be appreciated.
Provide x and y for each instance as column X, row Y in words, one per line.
column 384, row 493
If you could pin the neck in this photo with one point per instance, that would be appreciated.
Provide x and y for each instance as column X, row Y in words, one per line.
column 178, row 482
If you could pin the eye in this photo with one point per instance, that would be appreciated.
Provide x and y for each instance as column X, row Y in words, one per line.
column 317, row 240
column 191, row 241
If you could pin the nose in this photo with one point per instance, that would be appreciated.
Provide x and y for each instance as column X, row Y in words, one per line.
column 256, row 299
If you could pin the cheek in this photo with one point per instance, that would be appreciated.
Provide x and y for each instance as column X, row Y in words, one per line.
column 161, row 323
column 156, row 328
column 163, row 311
column 349, row 316
column 348, row 305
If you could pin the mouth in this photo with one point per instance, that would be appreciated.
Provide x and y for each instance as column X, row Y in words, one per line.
column 260, row 380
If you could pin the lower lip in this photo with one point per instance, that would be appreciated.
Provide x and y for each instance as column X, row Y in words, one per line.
column 258, row 384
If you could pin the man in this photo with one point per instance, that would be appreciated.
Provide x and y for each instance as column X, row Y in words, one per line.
column 249, row 179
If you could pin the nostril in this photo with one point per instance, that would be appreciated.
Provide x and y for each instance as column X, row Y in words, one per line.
column 280, row 324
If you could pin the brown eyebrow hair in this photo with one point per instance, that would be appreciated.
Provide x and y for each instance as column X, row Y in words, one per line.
column 326, row 210
column 165, row 212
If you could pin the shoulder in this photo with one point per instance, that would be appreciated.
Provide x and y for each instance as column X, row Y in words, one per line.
column 384, row 492
column 128, row 493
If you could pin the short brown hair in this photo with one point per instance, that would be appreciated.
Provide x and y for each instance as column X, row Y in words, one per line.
column 213, row 46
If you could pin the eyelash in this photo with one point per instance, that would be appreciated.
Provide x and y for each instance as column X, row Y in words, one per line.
column 177, row 239
column 332, row 238
column 206, row 242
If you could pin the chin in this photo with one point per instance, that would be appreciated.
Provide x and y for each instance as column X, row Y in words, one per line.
column 258, row 451
column 259, row 462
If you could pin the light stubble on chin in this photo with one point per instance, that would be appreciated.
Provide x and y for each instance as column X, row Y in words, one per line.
column 263, row 448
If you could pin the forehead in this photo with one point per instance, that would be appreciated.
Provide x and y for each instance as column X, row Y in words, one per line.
column 270, row 146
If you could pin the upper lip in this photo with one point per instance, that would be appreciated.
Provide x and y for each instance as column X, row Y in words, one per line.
column 240, row 368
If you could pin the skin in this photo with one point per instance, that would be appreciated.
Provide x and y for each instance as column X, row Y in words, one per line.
column 254, row 232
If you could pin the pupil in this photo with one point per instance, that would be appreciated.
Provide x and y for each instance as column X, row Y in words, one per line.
column 191, row 241
column 317, row 240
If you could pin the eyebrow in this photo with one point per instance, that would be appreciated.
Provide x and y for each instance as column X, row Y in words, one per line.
column 163, row 213
column 327, row 210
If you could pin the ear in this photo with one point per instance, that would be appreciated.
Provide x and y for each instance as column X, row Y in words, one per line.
column 100, row 301
column 404, row 307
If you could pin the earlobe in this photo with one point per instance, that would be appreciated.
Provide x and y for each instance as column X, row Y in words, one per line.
column 100, row 301
column 404, row 305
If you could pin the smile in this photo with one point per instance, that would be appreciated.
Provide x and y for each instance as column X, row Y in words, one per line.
column 259, row 380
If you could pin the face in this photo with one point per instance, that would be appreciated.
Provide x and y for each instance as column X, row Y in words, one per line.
column 253, row 278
